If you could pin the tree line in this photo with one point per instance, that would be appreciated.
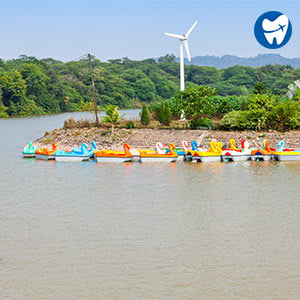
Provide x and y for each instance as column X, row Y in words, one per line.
column 30, row 86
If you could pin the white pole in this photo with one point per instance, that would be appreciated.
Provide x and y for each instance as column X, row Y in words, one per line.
column 181, row 67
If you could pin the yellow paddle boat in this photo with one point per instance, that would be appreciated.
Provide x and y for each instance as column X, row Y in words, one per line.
column 213, row 154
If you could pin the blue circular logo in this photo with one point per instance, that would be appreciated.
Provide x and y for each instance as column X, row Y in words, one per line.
column 273, row 29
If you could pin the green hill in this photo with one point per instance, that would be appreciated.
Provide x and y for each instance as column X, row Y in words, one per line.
column 31, row 86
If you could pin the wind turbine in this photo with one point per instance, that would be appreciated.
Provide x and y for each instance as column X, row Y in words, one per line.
column 183, row 38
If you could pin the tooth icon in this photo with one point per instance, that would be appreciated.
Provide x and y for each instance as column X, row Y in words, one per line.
column 276, row 29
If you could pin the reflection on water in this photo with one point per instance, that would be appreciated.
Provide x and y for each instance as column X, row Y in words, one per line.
column 145, row 231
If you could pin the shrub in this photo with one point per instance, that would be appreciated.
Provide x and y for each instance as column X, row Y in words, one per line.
column 129, row 125
column 112, row 116
column 264, row 101
column 3, row 110
column 48, row 140
column 241, row 120
column 256, row 119
column 85, row 123
column 284, row 116
column 70, row 123
column 224, row 105
column 145, row 116
column 195, row 123
column 154, row 109
column 234, row 120
column 206, row 123
column 165, row 115
column 199, row 123
column 161, row 112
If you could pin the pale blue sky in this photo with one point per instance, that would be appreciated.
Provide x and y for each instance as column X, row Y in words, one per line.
column 67, row 29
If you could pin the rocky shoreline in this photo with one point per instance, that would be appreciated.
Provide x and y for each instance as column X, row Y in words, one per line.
column 67, row 139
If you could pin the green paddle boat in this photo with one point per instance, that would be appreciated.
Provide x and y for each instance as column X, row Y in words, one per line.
column 29, row 151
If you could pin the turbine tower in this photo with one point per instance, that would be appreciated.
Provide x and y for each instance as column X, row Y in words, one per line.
column 183, row 38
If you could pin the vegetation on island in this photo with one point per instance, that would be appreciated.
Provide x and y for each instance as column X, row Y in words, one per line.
column 233, row 98
column 261, row 110
column 145, row 115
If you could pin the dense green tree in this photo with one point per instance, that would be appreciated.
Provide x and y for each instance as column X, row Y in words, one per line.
column 194, row 101
column 3, row 109
column 260, row 88
column 36, row 83
column 165, row 88
column 202, row 75
column 145, row 90
column 228, row 89
column 132, row 75
column 241, row 79
column 169, row 58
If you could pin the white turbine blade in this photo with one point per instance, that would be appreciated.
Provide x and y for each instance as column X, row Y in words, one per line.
column 177, row 36
column 187, row 50
column 191, row 29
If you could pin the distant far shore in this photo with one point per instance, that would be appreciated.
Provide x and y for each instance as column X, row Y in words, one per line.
column 69, row 138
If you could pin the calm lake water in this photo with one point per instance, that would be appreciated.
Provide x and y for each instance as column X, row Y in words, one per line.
column 144, row 231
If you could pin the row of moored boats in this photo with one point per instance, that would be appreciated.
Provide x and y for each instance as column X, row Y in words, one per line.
column 215, row 153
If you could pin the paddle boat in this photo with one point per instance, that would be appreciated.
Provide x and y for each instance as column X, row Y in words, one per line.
column 232, row 146
column 135, row 155
column 213, row 154
column 91, row 150
column 189, row 153
column 158, row 149
column 283, row 154
column 149, row 156
column 114, row 156
column 264, row 154
column 29, row 151
column 45, row 153
column 235, row 154
column 181, row 150
column 78, row 154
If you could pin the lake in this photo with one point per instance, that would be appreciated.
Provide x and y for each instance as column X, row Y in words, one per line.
column 144, row 231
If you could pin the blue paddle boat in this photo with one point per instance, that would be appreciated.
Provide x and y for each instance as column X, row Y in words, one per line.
column 77, row 154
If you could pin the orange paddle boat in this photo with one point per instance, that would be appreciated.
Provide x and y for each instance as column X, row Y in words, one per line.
column 114, row 156
column 158, row 156
column 266, row 153
column 45, row 153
